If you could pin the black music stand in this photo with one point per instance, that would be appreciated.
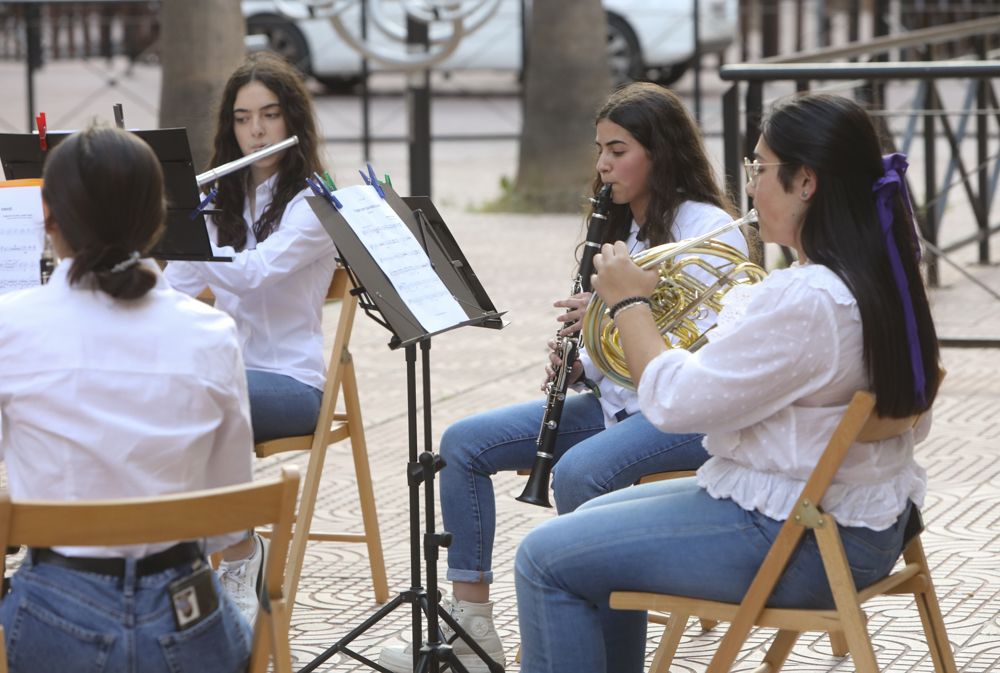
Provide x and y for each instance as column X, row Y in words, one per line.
column 185, row 237
column 380, row 301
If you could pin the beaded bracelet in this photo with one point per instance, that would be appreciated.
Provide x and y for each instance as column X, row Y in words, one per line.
column 627, row 302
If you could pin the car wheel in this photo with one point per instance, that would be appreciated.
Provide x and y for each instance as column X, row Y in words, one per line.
column 624, row 58
column 340, row 85
column 282, row 38
column 669, row 74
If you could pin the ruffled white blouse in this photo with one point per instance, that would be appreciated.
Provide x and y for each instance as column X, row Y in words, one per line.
column 769, row 388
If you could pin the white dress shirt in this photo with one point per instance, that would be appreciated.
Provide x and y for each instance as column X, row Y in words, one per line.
column 274, row 289
column 102, row 398
column 693, row 219
column 769, row 388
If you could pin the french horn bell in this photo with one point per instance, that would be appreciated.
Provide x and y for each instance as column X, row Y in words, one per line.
column 681, row 302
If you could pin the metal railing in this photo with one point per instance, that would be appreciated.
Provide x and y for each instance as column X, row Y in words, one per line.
column 926, row 118
column 926, row 110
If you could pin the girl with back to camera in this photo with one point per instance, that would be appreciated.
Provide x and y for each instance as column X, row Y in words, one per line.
column 664, row 189
column 113, row 385
column 283, row 261
column 768, row 389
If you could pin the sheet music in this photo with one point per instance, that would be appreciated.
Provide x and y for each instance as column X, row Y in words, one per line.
column 22, row 237
column 400, row 256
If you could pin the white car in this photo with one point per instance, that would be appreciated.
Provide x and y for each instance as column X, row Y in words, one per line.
column 647, row 39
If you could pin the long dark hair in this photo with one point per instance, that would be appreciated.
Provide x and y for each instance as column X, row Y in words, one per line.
column 835, row 138
column 680, row 169
column 104, row 190
column 297, row 163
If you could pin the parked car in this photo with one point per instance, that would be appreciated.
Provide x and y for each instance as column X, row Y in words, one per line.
column 647, row 39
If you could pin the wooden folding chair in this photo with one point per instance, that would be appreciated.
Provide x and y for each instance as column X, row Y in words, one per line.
column 334, row 426
column 846, row 622
column 184, row 516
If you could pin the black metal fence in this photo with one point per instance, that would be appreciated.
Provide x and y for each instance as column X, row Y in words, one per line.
column 945, row 113
column 73, row 30
column 979, row 103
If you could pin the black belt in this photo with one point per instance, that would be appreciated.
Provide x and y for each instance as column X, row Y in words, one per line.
column 621, row 415
column 185, row 552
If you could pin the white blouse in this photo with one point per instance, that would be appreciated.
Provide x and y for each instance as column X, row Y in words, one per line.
column 102, row 398
column 769, row 388
column 693, row 219
column 274, row 289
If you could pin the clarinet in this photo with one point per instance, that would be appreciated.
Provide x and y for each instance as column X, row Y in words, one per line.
column 536, row 491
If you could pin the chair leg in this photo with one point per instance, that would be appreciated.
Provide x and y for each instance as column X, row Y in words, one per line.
column 260, row 651
column 779, row 650
column 280, row 648
column 669, row 641
column 366, row 492
column 707, row 624
column 845, row 597
column 930, row 613
column 838, row 643
column 303, row 522
column 3, row 651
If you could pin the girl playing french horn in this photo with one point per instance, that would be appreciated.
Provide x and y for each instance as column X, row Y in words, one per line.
column 767, row 390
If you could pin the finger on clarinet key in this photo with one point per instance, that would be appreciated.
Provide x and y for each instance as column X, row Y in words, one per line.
column 571, row 328
column 550, row 374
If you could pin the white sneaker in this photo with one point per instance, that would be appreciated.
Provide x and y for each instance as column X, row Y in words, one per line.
column 477, row 621
column 243, row 580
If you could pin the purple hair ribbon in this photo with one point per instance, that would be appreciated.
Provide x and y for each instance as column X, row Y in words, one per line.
column 885, row 189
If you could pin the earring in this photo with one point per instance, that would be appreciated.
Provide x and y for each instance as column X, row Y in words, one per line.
column 805, row 195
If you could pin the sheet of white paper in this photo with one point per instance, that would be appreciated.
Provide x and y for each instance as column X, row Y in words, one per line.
column 400, row 256
column 22, row 236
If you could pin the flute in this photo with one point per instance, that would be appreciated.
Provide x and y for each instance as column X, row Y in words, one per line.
column 235, row 165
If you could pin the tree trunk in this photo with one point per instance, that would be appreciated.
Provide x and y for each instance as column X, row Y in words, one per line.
column 566, row 80
column 201, row 44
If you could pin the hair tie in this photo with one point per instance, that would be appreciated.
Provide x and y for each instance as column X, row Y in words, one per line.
column 627, row 303
column 126, row 263
column 885, row 189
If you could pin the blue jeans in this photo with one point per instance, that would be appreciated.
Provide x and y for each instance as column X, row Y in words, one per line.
column 56, row 619
column 281, row 406
column 590, row 461
column 669, row 537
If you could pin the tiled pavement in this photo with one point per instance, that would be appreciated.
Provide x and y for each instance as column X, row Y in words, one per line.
column 524, row 263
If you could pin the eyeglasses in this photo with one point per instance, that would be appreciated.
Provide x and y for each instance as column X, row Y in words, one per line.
column 752, row 169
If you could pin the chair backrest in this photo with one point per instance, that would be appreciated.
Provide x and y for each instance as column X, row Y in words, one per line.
column 183, row 516
column 858, row 424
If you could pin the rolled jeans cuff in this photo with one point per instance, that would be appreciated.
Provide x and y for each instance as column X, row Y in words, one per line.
column 470, row 576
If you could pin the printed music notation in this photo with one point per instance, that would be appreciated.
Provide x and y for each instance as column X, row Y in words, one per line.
column 402, row 259
column 22, row 237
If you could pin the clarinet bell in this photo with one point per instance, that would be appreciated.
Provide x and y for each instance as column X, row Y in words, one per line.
column 536, row 491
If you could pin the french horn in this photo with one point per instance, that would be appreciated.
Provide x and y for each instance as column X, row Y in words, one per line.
column 681, row 299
